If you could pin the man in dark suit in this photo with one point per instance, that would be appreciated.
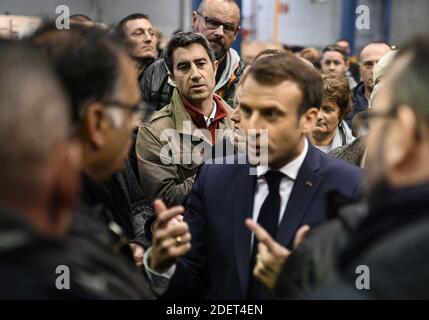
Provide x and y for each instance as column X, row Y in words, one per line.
column 283, row 193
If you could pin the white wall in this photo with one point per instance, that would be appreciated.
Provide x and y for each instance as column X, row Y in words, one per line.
column 311, row 23
column 408, row 18
column 308, row 23
column 165, row 14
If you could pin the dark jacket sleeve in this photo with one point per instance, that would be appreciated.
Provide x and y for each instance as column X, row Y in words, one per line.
column 156, row 91
column 189, row 280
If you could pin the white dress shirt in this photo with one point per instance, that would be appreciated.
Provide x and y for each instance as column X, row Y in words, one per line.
column 290, row 171
column 209, row 120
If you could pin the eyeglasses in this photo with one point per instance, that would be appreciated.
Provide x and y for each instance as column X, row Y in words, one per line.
column 213, row 24
column 363, row 118
column 136, row 110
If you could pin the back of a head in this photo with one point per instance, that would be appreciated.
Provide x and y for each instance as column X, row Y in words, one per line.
column 273, row 70
column 33, row 120
column 312, row 55
column 81, row 19
column 86, row 61
column 411, row 84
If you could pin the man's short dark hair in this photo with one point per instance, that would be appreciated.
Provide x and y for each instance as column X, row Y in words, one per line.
column 185, row 39
column 81, row 18
column 86, row 60
column 336, row 48
column 273, row 70
column 120, row 29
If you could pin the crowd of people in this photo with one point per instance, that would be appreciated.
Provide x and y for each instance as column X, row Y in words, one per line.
column 186, row 173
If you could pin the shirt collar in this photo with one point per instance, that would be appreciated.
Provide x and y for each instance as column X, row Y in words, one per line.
column 291, row 169
column 212, row 115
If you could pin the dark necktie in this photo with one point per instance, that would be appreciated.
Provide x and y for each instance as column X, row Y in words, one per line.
column 269, row 219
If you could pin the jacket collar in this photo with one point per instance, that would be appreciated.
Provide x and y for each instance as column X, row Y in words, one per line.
column 183, row 121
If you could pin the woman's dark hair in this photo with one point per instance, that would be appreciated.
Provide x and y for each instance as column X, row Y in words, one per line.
column 338, row 91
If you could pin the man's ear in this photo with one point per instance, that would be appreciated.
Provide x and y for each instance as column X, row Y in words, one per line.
column 96, row 124
column 347, row 65
column 308, row 120
column 401, row 139
column 236, row 33
column 194, row 20
column 65, row 186
column 215, row 65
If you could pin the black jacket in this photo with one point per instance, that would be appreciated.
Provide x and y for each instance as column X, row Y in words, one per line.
column 100, row 246
column 28, row 262
column 393, row 242
column 360, row 103
column 313, row 264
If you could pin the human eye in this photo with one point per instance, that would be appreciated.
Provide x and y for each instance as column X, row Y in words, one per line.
column 245, row 110
column 229, row 27
column 271, row 114
column 201, row 64
column 137, row 32
column 183, row 66
column 213, row 23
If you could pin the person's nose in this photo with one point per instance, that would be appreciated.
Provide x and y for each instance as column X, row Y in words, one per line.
column 219, row 32
column 147, row 37
column 195, row 73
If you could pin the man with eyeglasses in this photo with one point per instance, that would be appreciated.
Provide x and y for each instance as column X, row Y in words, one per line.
column 369, row 57
column 100, row 79
column 219, row 22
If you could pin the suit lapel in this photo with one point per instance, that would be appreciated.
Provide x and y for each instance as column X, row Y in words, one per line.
column 242, row 209
column 305, row 188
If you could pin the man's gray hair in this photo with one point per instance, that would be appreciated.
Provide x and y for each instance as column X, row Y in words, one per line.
column 33, row 118
column 203, row 3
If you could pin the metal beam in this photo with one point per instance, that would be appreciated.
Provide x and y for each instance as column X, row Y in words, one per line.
column 348, row 19
column 387, row 20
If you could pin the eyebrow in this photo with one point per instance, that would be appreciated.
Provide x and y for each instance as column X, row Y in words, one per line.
column 223, row 22
column 142, row 29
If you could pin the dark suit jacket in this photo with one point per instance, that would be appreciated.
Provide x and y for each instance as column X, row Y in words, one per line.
column 218, row 265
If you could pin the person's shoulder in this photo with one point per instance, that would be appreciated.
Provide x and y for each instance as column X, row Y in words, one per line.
column 223, row 166
column 337, row 167
column 161, row 118
column 155, row 66
column 155, row 72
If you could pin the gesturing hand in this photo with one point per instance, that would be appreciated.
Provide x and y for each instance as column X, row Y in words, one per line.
column 171, row 237
column 271, row 255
